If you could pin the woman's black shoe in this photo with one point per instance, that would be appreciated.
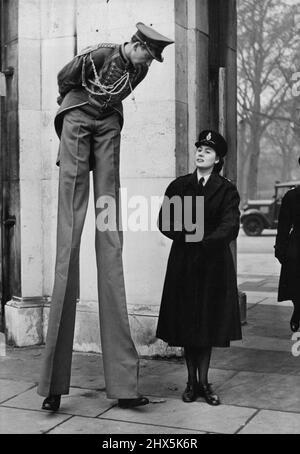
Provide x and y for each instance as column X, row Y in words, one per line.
column 209, row 395
column 294, row 323
column 51, row 402
column 131, row 403
column 190, row 393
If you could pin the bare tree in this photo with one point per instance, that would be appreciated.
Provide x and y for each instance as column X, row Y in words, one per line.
column 282, row 137
column 268, row 42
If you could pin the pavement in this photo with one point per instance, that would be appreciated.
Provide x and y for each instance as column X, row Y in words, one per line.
column 257, row 379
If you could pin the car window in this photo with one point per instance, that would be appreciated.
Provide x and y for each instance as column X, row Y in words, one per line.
column 264, row 209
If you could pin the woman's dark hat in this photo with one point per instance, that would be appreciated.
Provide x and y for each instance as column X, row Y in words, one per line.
column 152, row 40
column 214, row 140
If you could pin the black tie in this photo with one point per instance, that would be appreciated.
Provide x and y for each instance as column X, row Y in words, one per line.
column 201, row 185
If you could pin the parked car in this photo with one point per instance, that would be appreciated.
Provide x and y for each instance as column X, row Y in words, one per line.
column 258, row 215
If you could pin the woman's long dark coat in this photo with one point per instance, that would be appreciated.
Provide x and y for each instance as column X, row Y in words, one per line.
column 199, row 304
column 287, row 247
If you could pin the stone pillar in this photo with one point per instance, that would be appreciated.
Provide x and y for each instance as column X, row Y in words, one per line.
column 9, row 161
column 192, row 78
column 223, row 65
column 23, row 312
column 198, row 73
column 46, row 38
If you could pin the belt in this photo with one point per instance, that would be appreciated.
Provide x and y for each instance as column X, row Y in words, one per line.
column 96, row 113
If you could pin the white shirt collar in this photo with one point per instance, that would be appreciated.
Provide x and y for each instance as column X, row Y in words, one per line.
column 206, row 177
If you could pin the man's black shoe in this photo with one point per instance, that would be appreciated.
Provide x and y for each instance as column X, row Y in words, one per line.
column 131, row 403
column 51, row 402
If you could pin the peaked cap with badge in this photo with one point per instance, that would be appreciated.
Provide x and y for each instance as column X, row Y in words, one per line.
column 153, row 41
column 214, row 140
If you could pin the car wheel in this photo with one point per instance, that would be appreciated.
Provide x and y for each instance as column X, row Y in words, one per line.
column 253, row 226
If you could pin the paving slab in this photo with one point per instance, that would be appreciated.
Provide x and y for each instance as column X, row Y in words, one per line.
column 16, row 421
column 257, row 277
column 87, row 371
column 80, row 425
column 83, row 402
column 248, row 278
column 255, row 263
column 247, row 359
column 169, row 379
column 253, row 298
column 261, row 285
column 269, row 321
column 252, row 285
column 199, row 416
column 26, row 363
column 265, row 391
column 271, row 301
column 11, row 388
column 265, row 343
column 250, row 306
column 273, row 423
column 21, row 363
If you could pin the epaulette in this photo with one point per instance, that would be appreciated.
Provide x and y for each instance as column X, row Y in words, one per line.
column 89, row 49
column 228, row 179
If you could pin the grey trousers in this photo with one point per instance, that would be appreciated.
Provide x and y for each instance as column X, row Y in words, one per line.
column 81, row 134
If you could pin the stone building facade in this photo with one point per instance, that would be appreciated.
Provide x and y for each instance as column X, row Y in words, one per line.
column 193, row 89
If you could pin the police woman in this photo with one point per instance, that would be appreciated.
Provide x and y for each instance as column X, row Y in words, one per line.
column 287, row 251
column 199, row 307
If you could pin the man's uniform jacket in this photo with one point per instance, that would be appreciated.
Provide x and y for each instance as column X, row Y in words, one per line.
column 110, row 63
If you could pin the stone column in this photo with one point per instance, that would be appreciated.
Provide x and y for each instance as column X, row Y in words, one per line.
column 9, row 156
column 23, row 313
column 198, row 72
column 46, row 38
column 192, row 78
